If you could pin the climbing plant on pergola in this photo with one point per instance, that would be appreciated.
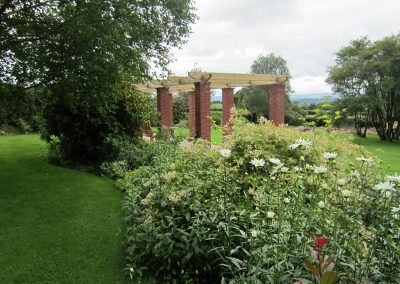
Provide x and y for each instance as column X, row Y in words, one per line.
column 198, row 86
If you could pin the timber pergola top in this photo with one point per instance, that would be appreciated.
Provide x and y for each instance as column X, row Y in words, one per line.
column 178, row 84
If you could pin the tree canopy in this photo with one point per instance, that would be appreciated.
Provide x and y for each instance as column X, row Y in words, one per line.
column 86, row 53
column 367, row 74
column 255, row 98
column 47, row 42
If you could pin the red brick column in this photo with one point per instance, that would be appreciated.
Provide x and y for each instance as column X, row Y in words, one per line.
column 164, row 106
column 277, row 103
column 202, row 111
column 192, row 114
column 227, row 105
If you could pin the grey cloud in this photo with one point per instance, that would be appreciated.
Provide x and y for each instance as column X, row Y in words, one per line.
column 230, row 34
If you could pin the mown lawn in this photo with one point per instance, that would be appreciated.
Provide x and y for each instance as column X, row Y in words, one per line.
column 57, row 225
column 388, row 152
column 216, row 134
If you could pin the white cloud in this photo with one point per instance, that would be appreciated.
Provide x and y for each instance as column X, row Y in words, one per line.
column 310, row 84
column 232, row 33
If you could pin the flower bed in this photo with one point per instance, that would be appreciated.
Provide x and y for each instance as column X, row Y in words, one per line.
column 247, row 213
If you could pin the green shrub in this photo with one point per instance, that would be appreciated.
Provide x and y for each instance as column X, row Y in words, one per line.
column 21, row 109
column 89, row 128
column 182, row 124
column 216, row 116
column 246, row 213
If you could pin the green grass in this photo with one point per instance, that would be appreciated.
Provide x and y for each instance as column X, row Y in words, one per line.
column 388, row 152
column 57, row 225
column 216, row 134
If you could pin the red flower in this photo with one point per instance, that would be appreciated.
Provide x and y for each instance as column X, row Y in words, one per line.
column 320, row 242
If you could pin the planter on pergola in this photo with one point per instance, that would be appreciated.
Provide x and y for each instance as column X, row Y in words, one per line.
column 198, row 86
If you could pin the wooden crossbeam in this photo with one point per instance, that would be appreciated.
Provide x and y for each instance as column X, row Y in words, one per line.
column 182, row 79
column 210, row 77
column 217, row 81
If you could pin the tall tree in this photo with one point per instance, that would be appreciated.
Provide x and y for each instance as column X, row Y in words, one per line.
column 86, row 53
column 367, row 74
column 255, row 99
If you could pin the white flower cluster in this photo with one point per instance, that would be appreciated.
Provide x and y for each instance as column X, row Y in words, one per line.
column 301, row 143
column 258, row 163
column 320, row 170
column 226, row 153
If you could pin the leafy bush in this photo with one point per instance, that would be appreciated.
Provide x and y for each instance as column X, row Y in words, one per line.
column 246, row 213
column 90, row 127
column 216, row 116
column 182, row 124
column 180, row 108
column 21, row 108
column 129, row 156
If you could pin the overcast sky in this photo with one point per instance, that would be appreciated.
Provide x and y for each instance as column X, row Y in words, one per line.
column 230, row 34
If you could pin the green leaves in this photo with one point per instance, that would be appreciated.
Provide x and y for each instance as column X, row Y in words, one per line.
column 365, row 74
column 87, row 54
column 328, row 278
column 312, row 268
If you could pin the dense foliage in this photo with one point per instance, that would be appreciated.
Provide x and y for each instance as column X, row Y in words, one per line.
column 21, row 109
column 180, row 107
column 85, row 53
column 367, row 75
column 86, row 129
column 246, row 213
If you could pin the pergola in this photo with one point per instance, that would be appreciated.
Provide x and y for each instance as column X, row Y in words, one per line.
column 198, row 86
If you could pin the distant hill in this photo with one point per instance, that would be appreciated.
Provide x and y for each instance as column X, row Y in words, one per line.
column 216, row 98
column 300, row 98
column 313, row 98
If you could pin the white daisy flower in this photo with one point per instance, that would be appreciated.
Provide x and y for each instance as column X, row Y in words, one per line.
column 301, row 143
column 387, row 185
column 275, row 161
column 329, row 155
column 257, row 162
column 365, row 159
column 321, row 204
column 226, row 153
column 393, row 178
column 320, row 170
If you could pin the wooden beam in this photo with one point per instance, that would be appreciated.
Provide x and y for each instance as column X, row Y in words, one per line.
column 242, row 82
column 182, row 80
column 164, row 83
column 210, row 76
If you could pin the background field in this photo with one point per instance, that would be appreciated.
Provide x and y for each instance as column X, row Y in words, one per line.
column 388, row 152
